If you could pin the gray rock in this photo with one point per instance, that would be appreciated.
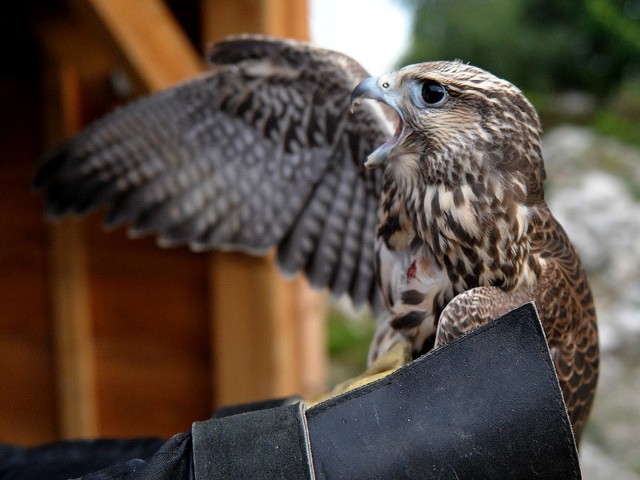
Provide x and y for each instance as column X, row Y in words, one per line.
column 597, row 465
column 594, row 184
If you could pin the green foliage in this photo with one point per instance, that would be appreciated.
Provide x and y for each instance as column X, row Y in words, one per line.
column 348, row 344
column 620, row 117
column 623, row 25
column 609, row 123
column 537, row 44
column 345, row 332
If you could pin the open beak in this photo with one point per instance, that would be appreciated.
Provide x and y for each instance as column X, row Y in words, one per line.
column 380, row 89
column 368, row 88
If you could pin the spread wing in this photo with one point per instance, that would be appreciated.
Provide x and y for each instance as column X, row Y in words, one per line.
column 260, row 151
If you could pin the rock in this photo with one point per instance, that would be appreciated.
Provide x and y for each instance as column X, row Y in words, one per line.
column 594, row 190
column 597, row 465
column 602, row 217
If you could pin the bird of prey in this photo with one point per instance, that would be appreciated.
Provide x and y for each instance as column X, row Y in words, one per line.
column 443, row 228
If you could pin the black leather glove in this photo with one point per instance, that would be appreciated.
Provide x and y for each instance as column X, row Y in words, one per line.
column 486, row 406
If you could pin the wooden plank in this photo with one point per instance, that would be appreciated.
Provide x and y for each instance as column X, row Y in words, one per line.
column 311, row 353
column 146, row 390
column 27, row 398
column 221, row 18
column 27, row 413
column 268, row 335
column 73, row 342
column 286, row 18
column 151, row 321
column 282, row 18
column 251, row 344
column 74, row 349
column 148, row 38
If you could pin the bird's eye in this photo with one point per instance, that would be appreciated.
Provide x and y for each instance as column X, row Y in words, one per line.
column 433, row 93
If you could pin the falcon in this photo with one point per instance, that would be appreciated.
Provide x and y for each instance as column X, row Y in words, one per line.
column 444, row 228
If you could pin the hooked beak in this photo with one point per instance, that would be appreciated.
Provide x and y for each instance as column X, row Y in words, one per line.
column 380, row 89
column 368, row 88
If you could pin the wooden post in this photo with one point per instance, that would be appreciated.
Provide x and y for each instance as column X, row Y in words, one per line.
column 147, row 37
column 73, row 351
column 269, row 333
column 281, row 18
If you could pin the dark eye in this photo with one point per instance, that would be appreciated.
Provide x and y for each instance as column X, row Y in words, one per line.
column 433, row 93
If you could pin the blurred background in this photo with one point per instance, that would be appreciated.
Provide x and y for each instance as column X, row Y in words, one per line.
column 100, row 335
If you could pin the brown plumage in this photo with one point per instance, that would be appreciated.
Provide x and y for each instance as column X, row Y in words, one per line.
column 465, row 234
column 261, row 151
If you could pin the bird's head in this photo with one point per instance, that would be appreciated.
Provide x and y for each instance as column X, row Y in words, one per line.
column 457, row 123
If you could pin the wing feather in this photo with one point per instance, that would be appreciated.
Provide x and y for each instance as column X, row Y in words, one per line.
column 258, row 152
column 350, row 247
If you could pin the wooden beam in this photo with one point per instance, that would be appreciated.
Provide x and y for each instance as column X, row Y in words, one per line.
column 268, row 335
column 250, row 360
column 281, row 18
column 148, row 38
column 73, row 347
column 311, row 314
